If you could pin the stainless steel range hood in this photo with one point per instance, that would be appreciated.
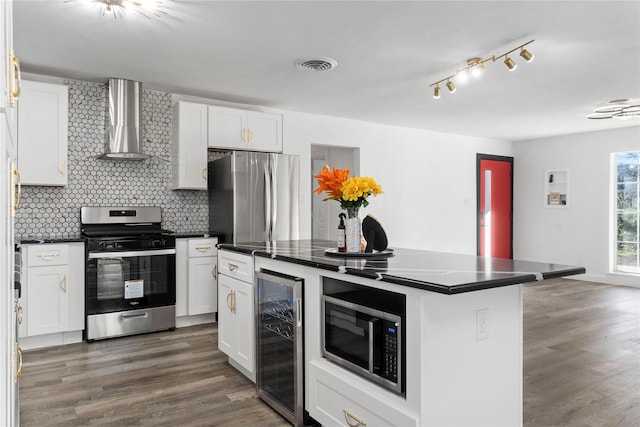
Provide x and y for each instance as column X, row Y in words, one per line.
column 125, row 121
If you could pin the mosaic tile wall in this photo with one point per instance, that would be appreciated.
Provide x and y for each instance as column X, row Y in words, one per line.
column 54, row 212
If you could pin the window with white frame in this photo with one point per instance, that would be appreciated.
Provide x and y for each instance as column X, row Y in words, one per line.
column 626, row 257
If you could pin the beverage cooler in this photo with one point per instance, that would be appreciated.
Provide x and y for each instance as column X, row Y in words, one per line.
column 280, row 344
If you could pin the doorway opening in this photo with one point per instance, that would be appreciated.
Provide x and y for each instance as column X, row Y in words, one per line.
column 324, row 214
column 494, row 178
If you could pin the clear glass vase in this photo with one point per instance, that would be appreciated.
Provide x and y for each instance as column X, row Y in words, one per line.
column 353, row 229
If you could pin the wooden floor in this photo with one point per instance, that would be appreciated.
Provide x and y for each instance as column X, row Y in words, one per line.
column 581, row 368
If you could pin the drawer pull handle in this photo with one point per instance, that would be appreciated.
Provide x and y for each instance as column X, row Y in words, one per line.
column 62, row 168
column 203, row 248
column 232, row 267
column 348, row 416
column 204, row 174
column 48, row 257
column 15, row 79
column 15, row 196
column 63, row 283
column 134, row 316
column 231, row 301
column 18, row 363
column 214, row 272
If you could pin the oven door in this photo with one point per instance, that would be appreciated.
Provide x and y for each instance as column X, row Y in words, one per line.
column 118, row 281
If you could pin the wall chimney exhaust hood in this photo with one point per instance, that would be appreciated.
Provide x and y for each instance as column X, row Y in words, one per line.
column 124, row 139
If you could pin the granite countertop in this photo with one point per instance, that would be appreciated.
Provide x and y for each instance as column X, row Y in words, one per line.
column 51, row 238
column 432, row 271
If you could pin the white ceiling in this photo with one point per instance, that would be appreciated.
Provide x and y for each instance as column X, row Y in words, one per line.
column 388, row 52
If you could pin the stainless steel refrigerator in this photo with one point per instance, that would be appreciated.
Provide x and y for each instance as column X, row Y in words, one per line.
column 254, row 197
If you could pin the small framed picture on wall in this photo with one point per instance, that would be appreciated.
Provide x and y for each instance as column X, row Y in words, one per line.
column 554, row 198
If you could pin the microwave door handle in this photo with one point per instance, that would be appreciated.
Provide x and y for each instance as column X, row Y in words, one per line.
column 372, row 326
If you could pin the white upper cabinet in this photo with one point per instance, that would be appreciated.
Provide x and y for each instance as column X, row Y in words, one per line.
column 239, row 129
column 42, row 133
column 189, row 152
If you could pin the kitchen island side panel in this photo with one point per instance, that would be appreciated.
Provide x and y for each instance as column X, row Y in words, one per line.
column 471, row 369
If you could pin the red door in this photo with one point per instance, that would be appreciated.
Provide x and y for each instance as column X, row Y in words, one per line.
column 495, row 201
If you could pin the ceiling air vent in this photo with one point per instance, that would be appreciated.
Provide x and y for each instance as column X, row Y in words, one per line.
column 316, row 64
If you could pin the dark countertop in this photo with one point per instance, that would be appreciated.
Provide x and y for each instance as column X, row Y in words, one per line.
column 194, row 235
column 51, row 238
column 440, row 272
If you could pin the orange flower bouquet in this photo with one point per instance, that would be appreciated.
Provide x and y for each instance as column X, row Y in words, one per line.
column 351, row 192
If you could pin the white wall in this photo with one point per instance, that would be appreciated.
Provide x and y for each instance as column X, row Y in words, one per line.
column 579, row 234
column 428, row 178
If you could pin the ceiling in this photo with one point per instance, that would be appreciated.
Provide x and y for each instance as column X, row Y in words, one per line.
column 388, row 53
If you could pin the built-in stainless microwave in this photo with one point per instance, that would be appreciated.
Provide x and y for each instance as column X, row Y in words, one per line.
column 362, row 331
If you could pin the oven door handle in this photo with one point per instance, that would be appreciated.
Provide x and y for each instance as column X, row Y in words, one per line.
column 131, row 254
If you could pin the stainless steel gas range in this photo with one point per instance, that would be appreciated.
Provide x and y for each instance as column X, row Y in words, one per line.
column 130, row 271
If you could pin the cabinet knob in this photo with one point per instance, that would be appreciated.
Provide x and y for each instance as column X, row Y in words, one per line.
column 232, row 267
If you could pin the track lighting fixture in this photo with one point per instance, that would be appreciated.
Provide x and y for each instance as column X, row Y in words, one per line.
column 526, row 55
column 475, row 66
column 510, row 64
column 451, row 86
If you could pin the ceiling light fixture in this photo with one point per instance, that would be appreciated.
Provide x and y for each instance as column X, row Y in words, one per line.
column 436, row 92
column 146, row 8
column 621, row 109
column 451, row 86
column 476, row 67
column 510, row 64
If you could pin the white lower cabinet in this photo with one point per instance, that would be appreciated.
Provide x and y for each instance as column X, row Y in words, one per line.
column 196, row 278
column 335, row 401
column 236, row 321
column 53, row 289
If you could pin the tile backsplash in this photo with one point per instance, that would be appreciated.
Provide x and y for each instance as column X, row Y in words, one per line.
column 54, row 212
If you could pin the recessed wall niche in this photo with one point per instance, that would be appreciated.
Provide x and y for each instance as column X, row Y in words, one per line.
column 556, row 188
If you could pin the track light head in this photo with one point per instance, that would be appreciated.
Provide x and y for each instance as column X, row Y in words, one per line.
column 451, row 86
column 436, row 92
column 510, row 64
column 526, row 55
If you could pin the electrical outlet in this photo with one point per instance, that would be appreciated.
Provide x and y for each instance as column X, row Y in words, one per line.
column 482, row 324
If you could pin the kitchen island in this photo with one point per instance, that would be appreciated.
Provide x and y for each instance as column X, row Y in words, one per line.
column 463, row 333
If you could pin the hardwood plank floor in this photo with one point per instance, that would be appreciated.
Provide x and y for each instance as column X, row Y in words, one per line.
column 581, row 368
column 581, row 354
column 174, row 378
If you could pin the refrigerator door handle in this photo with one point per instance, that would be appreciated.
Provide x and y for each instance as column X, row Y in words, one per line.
column 274, row 198
column 267, row 203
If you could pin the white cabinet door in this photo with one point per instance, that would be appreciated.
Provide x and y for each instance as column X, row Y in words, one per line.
column 42, row 133
column 189, row 151
column 239, row 129
column 265, row 131
column 227, row 127
column 236, row 318
column 47, row 299
column 245, row 332
column 202, row 285
column 227, row 323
